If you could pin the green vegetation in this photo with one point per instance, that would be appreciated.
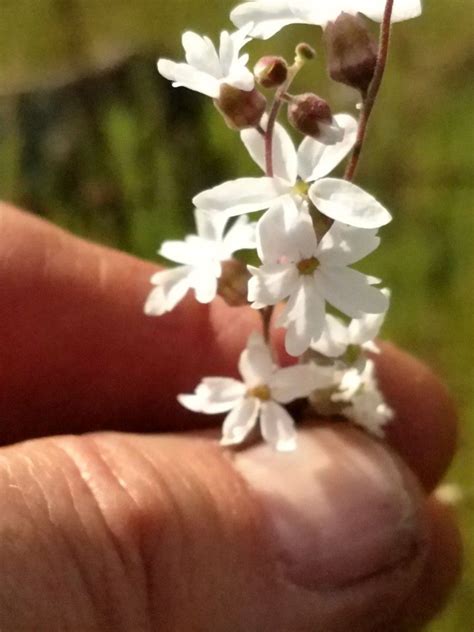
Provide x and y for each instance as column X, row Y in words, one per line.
column 116, row 155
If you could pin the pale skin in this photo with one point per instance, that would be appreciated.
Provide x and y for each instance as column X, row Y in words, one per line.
column 121, row 531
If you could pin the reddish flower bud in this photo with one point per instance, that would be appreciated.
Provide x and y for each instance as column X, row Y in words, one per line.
column 351, row 51
column 233, row 283
column 271, row 72
column 312, row 116
column 241, row 109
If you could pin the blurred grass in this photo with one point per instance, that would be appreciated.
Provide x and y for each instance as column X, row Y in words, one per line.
column 115, row 154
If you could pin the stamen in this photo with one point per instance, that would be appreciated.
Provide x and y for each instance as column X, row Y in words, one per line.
column 261, row 392
column 308, row 266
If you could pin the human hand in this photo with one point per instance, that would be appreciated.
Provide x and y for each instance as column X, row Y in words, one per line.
column 115, row 531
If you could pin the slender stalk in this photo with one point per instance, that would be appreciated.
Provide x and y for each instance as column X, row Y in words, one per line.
column 281, row 96
column 266, row 315
column 272, row 117
column 372, row 92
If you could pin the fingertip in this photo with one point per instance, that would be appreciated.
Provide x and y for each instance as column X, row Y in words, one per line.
column 442, row 569
column 424, row 430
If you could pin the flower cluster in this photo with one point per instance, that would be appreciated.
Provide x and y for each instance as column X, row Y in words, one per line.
column 311, row 228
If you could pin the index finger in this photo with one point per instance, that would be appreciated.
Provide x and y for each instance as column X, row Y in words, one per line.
column 78, row 354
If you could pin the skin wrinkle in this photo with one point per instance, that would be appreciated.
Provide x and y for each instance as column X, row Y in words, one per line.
column 181, row 539
column 205, row 500
column 57, row 578
column 117, row 547
column 182, row 544
column 89, row 591
column 146, row 564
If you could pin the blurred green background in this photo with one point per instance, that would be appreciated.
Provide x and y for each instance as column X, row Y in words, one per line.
column 93, row 139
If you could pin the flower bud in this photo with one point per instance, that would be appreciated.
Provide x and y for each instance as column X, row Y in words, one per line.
column 305, row 52
column 312, row 116
column 241, row 109
column 233, row 283
column 351, row 51
column 271, row 72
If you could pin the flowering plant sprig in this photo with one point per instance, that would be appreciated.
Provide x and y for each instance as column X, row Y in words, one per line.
column 311, row 230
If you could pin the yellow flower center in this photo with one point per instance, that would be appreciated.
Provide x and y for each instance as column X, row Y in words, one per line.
column 301, row 188
column 261, row 392
column 308, row 266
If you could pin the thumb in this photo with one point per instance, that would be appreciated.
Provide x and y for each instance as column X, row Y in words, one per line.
column 172, row 533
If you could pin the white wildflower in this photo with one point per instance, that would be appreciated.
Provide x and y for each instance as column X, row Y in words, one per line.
column 366, row 405
column 259, row 397
column 301, row 176
column 200, row 257
column 360, row 333
column 309, row 273
column 206, row 68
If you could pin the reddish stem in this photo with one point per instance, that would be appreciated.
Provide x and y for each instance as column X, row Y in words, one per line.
column 373, row 90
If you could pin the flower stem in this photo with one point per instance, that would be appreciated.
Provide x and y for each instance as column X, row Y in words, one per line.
column 272, row 117
column 372, row 92
column 281, row 96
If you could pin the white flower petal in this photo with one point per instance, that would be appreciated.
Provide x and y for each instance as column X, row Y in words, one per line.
column 214, row 395
column 267, row 16
column 183, row 75
column 256, row 364
column 201, row 54
column 402, row 9
column 347, row 203
column 240, row 236
column 334, row 340
column 178, row 251
column 363, row 330
column 274, row 240
column 240, row 421
column 349, row 292
column 210, row 224
column 244, row 195
column 298, row 381
column 316, row 160
column 240, row 78
column 271, row 283
column 278, row 428
column 172, row 286
column 204, row 283
column 344, row 245
column 303, row 317
column 303, row 236
column 318, row 13
column 284, row 153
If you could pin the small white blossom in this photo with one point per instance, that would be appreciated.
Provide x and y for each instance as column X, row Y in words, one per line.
column 270, row 16
column 206, row 68
column 200, row 257
column 309, row 273
column 360, row 333
column 299, row 175
column 259, row 397
column 366, row 406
